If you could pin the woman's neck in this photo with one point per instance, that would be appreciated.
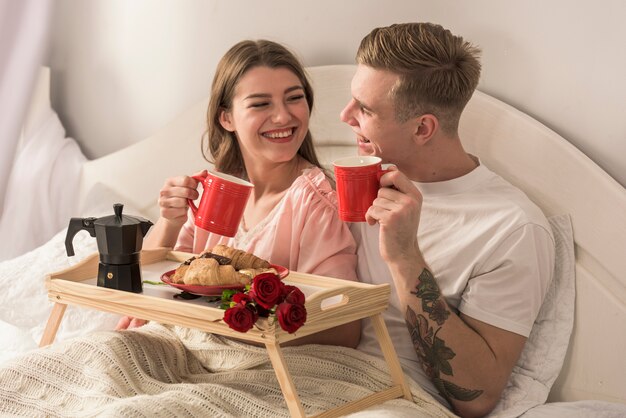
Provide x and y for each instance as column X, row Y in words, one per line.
column 274, row 178
column 270, row 185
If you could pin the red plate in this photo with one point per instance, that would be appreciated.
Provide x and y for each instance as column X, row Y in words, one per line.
column 282, row 271
column 213, row 290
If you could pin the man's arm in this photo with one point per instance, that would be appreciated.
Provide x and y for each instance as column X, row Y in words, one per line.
column 469, row 361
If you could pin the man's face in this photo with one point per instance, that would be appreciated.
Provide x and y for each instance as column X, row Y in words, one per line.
column 371, row 114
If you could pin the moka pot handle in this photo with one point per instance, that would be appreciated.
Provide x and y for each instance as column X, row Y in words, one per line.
column 78, row 224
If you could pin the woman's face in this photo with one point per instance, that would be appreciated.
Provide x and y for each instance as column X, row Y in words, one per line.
column 269, row 115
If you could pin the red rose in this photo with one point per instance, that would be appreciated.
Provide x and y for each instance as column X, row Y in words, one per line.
column 265, row 313
column 266, row 289
column 291, row 294
column 240, row 318
column 242, row 298
column 291, row 316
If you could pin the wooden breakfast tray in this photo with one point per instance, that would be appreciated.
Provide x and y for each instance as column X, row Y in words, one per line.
column 329, row 302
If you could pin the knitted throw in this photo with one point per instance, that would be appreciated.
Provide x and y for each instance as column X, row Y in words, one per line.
column 159, row 371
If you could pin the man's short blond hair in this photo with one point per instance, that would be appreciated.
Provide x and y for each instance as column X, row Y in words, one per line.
column 438, row 71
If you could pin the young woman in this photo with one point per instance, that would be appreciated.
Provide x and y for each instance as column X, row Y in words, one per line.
column 258, row 130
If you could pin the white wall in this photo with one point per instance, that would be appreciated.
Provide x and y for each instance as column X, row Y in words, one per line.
column 121, row 69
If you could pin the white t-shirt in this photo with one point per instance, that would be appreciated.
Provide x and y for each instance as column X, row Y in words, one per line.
column 488, row 246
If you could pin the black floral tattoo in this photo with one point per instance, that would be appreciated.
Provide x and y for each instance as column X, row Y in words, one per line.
column 432, row 351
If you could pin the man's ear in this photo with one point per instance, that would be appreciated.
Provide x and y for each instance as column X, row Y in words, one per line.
column 425, row 128
column 225, row 120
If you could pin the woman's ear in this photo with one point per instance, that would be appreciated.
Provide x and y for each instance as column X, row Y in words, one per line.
column 225, row 121
column 425, row 128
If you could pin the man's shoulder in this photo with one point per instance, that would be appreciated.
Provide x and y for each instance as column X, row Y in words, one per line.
column 496, row 194
column 509, row 195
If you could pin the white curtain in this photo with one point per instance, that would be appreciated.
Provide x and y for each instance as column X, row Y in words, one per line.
column 24, row 27
column 39, row 166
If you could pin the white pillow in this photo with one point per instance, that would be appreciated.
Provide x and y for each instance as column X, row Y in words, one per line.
column 544, row 352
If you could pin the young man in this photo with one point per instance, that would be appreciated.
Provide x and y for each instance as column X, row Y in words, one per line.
column 469, row 256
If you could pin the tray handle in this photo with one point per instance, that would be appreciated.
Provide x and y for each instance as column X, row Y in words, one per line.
column 330, row 301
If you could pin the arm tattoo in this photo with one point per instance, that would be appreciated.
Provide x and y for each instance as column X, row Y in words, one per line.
column 432, row 351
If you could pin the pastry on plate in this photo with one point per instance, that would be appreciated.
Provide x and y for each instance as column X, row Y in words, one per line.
column 240, row 259
column 222, row 266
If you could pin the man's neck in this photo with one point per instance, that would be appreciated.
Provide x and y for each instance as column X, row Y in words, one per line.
column 441, row 160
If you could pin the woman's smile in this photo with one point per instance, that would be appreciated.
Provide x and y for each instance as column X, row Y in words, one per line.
column 279, row 136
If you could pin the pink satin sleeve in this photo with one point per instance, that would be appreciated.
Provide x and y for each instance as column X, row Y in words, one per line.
column 321, row 242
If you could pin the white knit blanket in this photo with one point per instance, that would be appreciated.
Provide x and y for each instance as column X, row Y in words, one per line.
column 159, row 371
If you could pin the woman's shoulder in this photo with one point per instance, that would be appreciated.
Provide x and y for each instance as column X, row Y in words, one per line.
column 314, row 184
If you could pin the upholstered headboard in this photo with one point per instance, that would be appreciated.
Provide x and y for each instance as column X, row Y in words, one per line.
column 558, row 177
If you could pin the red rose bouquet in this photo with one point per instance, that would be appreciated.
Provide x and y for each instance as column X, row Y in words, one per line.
column 266, row 297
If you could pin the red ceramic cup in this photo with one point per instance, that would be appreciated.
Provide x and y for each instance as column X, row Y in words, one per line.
column 358, row 181
column 222, row 204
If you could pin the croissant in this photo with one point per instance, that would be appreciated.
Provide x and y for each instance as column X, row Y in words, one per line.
column 208, row 272
column 240, row 259
column 254, row 272
column 179, row 274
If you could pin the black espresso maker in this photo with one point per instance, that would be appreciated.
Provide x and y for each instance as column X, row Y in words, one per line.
column 119, row 239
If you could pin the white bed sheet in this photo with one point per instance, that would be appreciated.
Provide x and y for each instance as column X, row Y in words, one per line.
column 578, row 409
column 24, row 304
column 24, row 308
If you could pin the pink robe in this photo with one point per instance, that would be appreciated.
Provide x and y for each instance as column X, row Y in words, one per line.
column 303, row 232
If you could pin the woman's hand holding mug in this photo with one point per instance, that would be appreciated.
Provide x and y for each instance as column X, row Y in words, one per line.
column 175, row 194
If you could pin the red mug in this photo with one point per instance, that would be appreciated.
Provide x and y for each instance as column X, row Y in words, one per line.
column 222, row 204
column 358, row 181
